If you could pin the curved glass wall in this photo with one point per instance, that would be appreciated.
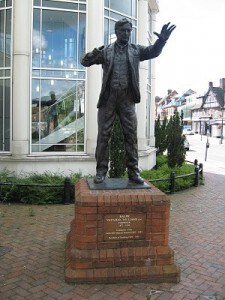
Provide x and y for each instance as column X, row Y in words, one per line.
column 58, row 82
column 115, row 10
column 5, row 73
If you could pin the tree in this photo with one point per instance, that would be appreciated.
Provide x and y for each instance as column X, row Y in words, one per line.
column 175, row 142
column 164, row 133
column 117, row 152
column 160, row 135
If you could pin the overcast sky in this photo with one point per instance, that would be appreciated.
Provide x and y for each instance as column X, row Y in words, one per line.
column 195, row 52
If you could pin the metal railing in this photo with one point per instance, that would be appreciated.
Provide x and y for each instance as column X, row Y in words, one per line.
column 197, row 174
column 68, row 187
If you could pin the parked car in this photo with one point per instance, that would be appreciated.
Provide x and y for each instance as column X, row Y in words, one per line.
column 188, row 131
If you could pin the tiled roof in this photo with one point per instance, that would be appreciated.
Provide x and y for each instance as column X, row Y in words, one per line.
column 219, row 94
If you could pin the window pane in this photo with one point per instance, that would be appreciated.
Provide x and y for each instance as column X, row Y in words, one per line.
column 57, row 115
column 1, row 115
column 115, row 16
column 57, row 4
column 8, row 72
column 133, row 35
column 112, row 35
column 134, row 9
column 82, row 7
column 2, row 3
column 2, row 38
column 106, row 12
column 106, row 31
column 81, row 38
column 1, row 102
column 59, row 31
column 37, row 2
column 123, row 7
column 8, row 39
column 8, row 2
column 38, row 42
column 5, row 115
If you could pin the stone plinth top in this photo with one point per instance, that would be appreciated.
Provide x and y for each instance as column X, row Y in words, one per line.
column 116, row 184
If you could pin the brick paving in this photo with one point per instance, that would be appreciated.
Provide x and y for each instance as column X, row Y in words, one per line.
column 32, row 247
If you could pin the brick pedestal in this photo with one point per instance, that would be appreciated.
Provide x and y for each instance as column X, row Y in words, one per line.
column 120, row 236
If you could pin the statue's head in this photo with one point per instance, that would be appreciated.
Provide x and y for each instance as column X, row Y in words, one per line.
column 52, row 95
column 123, row 30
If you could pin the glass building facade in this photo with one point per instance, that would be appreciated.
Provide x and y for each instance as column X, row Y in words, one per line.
column 58, row 78
column 47, row 98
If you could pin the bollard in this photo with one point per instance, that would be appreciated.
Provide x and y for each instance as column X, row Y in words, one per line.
column 67, row 188
column 172, row 183
column 196, row 180
column 201, row 170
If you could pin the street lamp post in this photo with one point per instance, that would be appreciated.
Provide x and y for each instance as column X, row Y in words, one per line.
column 207, row 141
column 221, row 141
column 222, row 110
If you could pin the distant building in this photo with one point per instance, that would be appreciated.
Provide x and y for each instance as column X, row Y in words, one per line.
column 166, row 106
column 204, row 114
column 212, row 110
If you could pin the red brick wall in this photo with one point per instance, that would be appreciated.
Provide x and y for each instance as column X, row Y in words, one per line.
column 90, row 258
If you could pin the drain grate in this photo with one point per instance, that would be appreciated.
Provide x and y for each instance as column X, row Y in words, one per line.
column 4, row 250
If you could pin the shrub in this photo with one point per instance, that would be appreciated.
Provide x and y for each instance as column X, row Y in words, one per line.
column 163, row 171
column 26, row 189
column 161, row 160
column 161, row 135
column 175, row 142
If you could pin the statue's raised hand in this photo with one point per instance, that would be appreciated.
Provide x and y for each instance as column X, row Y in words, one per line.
column 97, row 51
column 165, row 32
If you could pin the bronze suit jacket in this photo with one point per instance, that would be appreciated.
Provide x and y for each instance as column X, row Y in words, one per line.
column 136, row 53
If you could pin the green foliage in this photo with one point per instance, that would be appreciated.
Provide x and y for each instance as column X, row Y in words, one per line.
column 164, row 135
column 175, row 142
column 31, row 189
column 161, row 160
column 157, row 133
column 163, row 171
column 160, row 135
column 117, row 152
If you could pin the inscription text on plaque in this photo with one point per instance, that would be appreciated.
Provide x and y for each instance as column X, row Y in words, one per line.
column 124, row 227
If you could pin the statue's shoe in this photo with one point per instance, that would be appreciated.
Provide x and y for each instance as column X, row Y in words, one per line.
column 99, row 178
column 136, row 179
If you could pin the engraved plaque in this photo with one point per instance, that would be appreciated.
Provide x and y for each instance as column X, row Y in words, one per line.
column 119, row 227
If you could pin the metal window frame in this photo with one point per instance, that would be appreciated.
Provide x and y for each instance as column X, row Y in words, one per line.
column 41, row 8
column 5, row 8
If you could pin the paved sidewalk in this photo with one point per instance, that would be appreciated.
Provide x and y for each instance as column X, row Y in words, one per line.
column 32, row 243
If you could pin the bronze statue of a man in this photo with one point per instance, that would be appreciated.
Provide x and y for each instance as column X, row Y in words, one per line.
column 120, row 92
